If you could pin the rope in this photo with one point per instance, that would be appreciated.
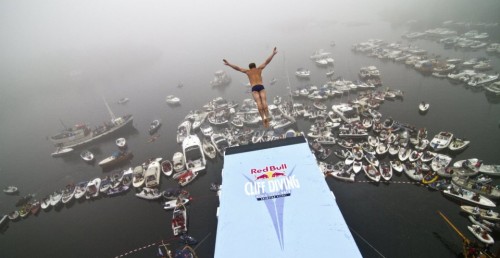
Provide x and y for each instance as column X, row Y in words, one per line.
column 364, row 240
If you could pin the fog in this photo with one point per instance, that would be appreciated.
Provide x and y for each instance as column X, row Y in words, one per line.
column 51, row 42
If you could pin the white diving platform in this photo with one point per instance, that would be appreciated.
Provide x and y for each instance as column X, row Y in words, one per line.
column 274, row 202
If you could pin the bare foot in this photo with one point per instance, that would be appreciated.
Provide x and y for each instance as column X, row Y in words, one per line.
column 266, row 122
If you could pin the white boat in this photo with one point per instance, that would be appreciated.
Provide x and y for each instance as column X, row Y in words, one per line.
column 206, row 129
column 469, row 196
column 393, row 149
column 171, row 204
column 492, row 170
column 178, row 161
column 80, row 189
column 413, row 171
column 404, row 153
column 396, row 165
column 485, row 214
column 93, row 188
column 346, row 112
column 116, row 158
column 385, row 170
column 121, row 142
column 458, row 144
column 303, row 73
column 441, row 141
column 372, row 173
column 472, row 164
column 68, row 193
column 221, row 79
column 209, row 149
column 194, row 157
column 344, row 174
column 55, row 198
column 149, row 193
column 106, row 183
column 440, row 161
column 187, row 177
column 167, row 168
column 123, row 101
column 138, row 177
column 381, row 148
column 220, row 143
column 179, row 220
column 480, row 222
column 423, row 107
column 87, row 156
column 357, row 166
column 172, row 100
column 183, row 130
column 60, row 151
column 152, row 174
column 493, row 88
column 10, row 189
column 481, row 234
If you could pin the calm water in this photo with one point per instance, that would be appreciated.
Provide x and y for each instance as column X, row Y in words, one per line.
column 398, row 220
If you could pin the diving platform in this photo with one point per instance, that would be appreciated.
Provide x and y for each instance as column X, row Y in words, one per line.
column 274, row 202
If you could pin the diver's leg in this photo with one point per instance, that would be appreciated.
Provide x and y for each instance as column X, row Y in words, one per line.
column 263, row 99
column 256, row 97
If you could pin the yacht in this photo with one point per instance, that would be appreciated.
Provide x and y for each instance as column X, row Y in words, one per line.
column 194, row 158
column 346, row 112
column 220, row 143
column 303, row 73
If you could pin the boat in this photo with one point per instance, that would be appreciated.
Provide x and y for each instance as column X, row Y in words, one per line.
column 396, row 165
column 371, row 172
column 149, row 193
column 171, row 204
column 55, row 198
column 166, row 167
column 117, row 190
column 138, row 176
column 152, row 174
column 193, row 154
column 357, row 166
column 68, row 193
column 60, row 151
column 45, row 202
column 404, row 153
column 469, row 196
column 82, row 134
column 371, row 159
column 187, row 177
column 209, row 149
column 206, row 129
column 172, row 100
column 179, row 220
column 481, row 234
column 183, row 130
column 483, row 213
column 441, row 141
column 106, row 183
column 430, row 178
column 87, row 156
column 93, row 188
column 154, row 126
column 220, row 143
column 80, row 189
column 121, row 142
column 13, row 215
column 123, row 101
column 11, row 189
column 302, row 73
column 492, row 170
column 472, row 164
column 413, row 171
column 473, row 184
column 440, row 161
column 385, row 170
column 423, row 107
column 178, row 161
column 393, row 149
column 221, row 79
column 116, row 158
column 344, row 174
column 346, row 112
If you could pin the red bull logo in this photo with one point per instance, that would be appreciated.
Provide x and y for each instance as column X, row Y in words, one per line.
column 268, row 169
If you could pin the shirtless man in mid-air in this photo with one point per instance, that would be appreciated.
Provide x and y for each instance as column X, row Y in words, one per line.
column 255, row 76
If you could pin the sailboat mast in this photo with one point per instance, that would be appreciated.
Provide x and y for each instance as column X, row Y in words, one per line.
column 113, row 117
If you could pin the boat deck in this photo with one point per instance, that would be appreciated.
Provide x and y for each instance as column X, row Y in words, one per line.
column 274, row 202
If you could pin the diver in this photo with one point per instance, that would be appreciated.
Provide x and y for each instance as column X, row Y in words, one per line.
column 255, row 76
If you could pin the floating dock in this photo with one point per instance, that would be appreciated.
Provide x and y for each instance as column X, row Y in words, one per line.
column 274, row 202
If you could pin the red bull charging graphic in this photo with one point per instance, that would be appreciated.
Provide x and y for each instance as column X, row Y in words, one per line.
column 270, row 182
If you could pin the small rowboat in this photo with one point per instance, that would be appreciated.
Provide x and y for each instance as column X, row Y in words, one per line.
column 166, row 167
column 423, row 107
column 121, row 142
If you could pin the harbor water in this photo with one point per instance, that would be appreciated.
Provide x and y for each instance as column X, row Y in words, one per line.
column 395, row 219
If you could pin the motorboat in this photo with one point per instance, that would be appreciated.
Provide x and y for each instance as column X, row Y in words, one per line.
column 346, row 112
column 149, row 193
column 187, row 177
column 45, row 204
column 117, row 190
column 472, row 164
column 116, row 158
column 458, row 144
column 209, row 149
column 220, row 143
column 194, row 157
column 123, row 101
column 171, row 204
column 423, row 107
column 206, row 129
column 493, row 88
column 11, row 189
column 441, row 140
column 172, row 100
column 492, row 170
column 481, row 234
column 154, row 126
column 302, row 73
column 106, row 183
column 413, row 171
column 93, row 188
column 483, row 213
column 440, row 161
column 385, row 170
column 55, row 198
column 179, row 220
column 474, row 185
column 121, row 142
column 60, row 151
column 68, row 193
column 138, row 177
column 396, row 165
column 344, row 174
column 87, row 156
column 152, row 174
column 166, row 167
column 183, row 130
column 80, row 189
column 371, row 172
column 178, row 161
column 469, row 196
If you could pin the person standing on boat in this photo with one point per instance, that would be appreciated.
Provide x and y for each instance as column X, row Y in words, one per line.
column 255, row 76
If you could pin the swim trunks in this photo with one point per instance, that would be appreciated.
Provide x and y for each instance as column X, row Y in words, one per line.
column 257, row 88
